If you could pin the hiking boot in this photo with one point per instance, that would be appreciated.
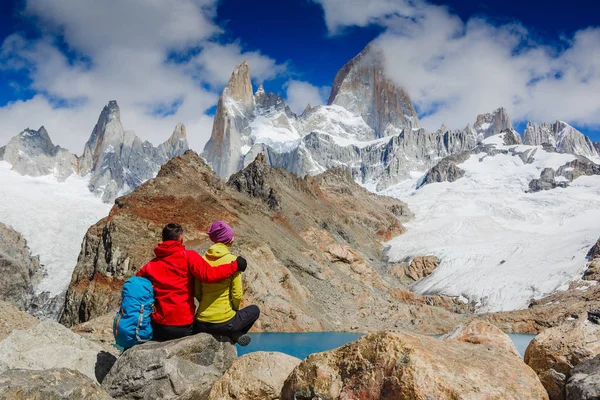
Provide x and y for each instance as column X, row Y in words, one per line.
column 243, row 340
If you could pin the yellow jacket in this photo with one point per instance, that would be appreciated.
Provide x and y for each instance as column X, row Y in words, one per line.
column 218, row 301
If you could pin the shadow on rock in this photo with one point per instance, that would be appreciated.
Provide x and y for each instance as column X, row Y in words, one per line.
column 104, row 362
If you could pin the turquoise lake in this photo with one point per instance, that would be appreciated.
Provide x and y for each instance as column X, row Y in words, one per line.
column 302, row 344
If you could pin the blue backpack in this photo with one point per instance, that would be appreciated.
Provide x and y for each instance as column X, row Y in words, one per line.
column 132, row 322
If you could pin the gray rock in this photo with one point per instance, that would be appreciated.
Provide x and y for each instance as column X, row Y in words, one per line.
column 118, row 160
column 20, row 272
column 562, row 136
column 446, row 170
column 490, row 124
column 584, row 382
column 185, row 368
column 51, row 384
column 51, row 345
column 363, row 88
column 546, row 181
column 511, row 138
column 33, row 153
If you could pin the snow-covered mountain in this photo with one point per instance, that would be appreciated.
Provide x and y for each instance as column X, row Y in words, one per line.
column 508, row 223
column 33, row 153
column 118, row 161
column 115, row 160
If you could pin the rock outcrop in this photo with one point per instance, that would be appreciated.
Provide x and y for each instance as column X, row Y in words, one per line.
column 118, row 160
column 184, row 368
column 363, row 88
column 255, row 376
column 584, row 383
column 408, row 366
column 563, row 176
column 33, row 153
column 19, row 270
column 315, row 260
column 446, row 170
column 50, row 345
column 553, row 353
column 51, row 384
column 418, row 268
column 561, row 135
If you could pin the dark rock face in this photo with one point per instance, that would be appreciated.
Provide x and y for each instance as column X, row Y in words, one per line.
column 570, row 171
column 185, row 368
column 446, row 170
column 584, row 383
column 19, row 270
column 546, row 181
column 252, row 181
column 511, row 138
column 50, row 384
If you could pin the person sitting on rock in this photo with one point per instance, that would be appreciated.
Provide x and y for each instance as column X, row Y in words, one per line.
column 219, row 309
column 172, row 274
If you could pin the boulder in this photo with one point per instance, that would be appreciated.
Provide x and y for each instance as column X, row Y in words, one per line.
column 12, row 318
column 255, row 376
column 481, row 332
column 184, row 368
column 553, row 353
column 50, row 345
column 51, row 384
column 398, row 365
column 584, row 383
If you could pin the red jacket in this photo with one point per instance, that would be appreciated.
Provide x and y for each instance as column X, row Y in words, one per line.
column 172, row 275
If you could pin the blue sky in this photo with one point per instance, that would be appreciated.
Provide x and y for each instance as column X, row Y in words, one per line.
column 60, row 62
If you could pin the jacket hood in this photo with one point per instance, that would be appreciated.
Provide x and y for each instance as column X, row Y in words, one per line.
column 167, row 248
column 217, row 251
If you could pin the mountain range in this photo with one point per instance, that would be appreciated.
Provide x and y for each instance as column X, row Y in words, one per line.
column 369, row 127
column 115, row 160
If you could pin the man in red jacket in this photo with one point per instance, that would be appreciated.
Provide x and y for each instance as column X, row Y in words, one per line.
column 172, row 275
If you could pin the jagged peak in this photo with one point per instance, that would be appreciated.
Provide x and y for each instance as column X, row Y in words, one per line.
column 307, row 109
column 179, row 131
column 239, row 87
column 260, row 90
column 111, row 111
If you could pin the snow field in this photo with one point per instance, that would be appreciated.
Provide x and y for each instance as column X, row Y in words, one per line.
column 499, row 246
column 53, row 217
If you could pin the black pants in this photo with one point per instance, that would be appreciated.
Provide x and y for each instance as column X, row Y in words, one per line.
column 240, row 324
column 161, row 333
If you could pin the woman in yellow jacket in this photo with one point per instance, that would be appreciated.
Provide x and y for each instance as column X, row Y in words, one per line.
column 218, row 312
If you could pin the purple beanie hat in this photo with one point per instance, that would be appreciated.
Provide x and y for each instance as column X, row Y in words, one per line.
column 220, row 232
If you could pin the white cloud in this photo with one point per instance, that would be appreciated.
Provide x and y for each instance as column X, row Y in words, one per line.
column 344, row 13
column 299, row 94
column 216, row 63
column 121, row 52
column 454, row 70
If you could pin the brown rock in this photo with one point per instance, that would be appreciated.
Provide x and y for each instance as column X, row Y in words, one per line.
column 553, row 353
column 419, row 268
column 255, row 376
column 481, row 332
column 11, row 318
column 394, row 365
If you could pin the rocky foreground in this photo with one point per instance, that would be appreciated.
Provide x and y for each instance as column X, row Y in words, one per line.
column 476, row 360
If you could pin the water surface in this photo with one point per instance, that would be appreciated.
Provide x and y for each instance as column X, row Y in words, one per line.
column 302, row 344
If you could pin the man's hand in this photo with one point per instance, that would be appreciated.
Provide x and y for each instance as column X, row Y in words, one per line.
column 242, row 264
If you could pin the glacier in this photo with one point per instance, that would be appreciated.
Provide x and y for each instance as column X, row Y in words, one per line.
column 499, row 246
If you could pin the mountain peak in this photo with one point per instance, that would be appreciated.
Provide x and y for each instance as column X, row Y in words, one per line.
column 111, row 111
column 362, row 87
column 493, row 123
column 239, row 87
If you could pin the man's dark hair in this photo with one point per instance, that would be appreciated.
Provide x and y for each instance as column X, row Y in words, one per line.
column 172, row 232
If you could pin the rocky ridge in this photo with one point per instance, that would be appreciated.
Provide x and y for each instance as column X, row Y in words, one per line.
column 116, row 160
column 312, row 244
column 561, row 135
